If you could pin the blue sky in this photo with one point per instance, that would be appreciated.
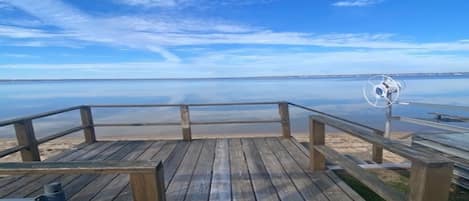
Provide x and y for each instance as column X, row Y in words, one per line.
column 54, row 39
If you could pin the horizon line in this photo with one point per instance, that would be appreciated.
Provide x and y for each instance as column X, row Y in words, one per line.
column 257, row 77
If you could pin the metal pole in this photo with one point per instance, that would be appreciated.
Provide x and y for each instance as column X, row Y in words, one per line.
column 387, row 125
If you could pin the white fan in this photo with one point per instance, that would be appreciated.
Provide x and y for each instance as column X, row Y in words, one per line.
column 381, row 91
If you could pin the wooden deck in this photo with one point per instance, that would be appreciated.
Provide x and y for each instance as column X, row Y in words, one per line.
column 202, row 169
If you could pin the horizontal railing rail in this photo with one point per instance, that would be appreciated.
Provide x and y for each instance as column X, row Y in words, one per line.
column 37, row 116
column 190, row 104
column 430, row 175
column 146, row 177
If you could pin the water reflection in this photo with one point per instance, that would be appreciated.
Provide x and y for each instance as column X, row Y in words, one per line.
column 342, row 97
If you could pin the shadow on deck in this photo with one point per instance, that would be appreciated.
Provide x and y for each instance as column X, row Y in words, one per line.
column 202, row 169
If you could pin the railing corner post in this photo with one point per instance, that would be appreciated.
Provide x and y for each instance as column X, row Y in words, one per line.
column 149, row 187
column 317, row 131
column 430, row 182
column 87, row 123
column 25, row 135
column 186, row 123
column 285, row 119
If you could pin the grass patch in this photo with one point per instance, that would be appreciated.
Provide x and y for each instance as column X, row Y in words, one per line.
column 397, row 179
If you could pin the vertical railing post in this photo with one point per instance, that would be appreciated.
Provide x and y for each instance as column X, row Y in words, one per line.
column 148, row 187
column 87, row 123
column 25, row 136
column 317, row 131
column 186, row 123
column 430, row 182
column 284, row 118
column 377, row 152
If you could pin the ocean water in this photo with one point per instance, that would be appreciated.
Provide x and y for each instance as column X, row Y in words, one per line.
column 339, row 96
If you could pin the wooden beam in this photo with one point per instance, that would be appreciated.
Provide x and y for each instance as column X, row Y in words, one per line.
column 371, row 137
column 377, row 150
column 25, row 135
column 186, row 123
column 370, row 180
column 87, row 123
column 377, row 153
column 78, row 167
column 430, row 182
column 148, row 186
column 285, row 119
column 317, row 131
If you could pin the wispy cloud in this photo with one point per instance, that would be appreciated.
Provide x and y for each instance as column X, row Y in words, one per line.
column 189, row 3
column 356, row 3
column 19, row 55
column 161, row 33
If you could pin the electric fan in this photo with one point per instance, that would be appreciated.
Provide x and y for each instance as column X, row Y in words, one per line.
column 381, row 91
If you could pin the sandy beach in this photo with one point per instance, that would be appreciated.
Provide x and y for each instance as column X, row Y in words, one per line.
column 341, row 142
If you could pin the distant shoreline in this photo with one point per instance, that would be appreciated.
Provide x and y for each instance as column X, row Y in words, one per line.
column 402, row 75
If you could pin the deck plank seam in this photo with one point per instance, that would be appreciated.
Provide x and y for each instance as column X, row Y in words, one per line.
column 39, row 189
column 117, row 175
column 185, row 148
column 244, row 166
column 211, row 169
column 30, row 179
column 94, row 176
column 249, row 172
column 192, row 172
column 147, row 146
column 256, row 152
column 285, row 170
column 315, row 186
column 307, row 172
column 263, row 154
column 12, row 179
column 305, row 152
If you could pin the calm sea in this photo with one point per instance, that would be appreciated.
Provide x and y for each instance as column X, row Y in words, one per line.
column 342, row 97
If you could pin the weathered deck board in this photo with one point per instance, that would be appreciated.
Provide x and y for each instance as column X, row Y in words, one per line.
column 285, row 188
column 177, row 189
column 221, row 180
column 210, row 169
column 261, row 183
column 327, row 186
column 304, row 184
column 199, row 188
column 240, row 183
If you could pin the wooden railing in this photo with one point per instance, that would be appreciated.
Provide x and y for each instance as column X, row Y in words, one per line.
column 377, row 149
column 430, row 175
column 28, row 144
column 146, row 177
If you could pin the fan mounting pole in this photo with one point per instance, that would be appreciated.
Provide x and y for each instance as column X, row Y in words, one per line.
column 387, row 125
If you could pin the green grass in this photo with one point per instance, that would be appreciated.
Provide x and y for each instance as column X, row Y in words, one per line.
column 398, row 179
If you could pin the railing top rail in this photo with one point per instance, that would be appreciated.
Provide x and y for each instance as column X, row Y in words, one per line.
column 37, row 116
column 393, row 146
column 79, row 167
column 377, row 131
column 188, row 104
